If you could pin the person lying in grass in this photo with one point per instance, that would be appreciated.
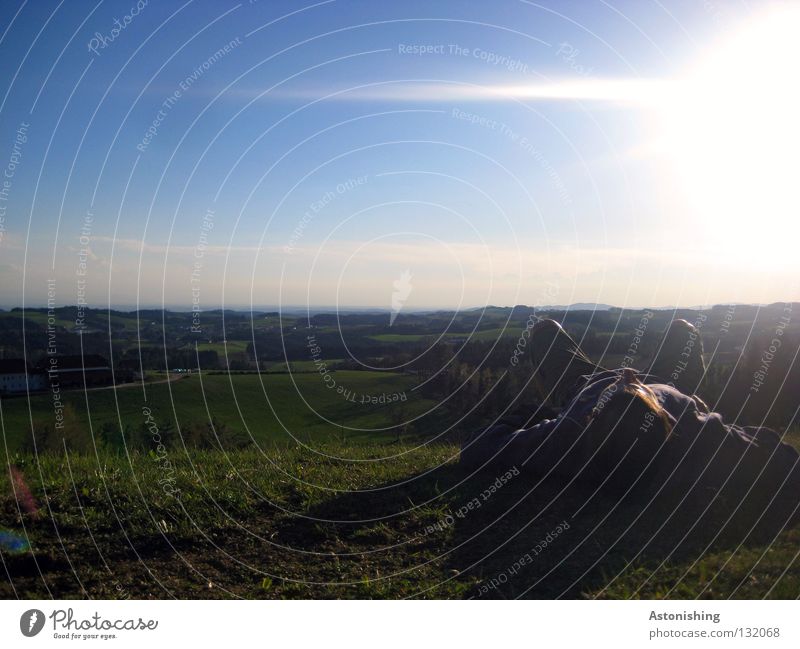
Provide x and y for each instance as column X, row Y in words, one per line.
column 633, row 430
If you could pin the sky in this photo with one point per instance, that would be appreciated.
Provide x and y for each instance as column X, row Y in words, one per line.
column 260, row 154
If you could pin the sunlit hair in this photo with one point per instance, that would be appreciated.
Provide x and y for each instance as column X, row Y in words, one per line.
column 628, row 426
column 615, row 399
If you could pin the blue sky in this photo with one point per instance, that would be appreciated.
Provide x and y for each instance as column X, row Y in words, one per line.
column 494, row 150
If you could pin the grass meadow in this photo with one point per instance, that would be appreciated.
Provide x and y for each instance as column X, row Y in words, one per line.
column 389, row 521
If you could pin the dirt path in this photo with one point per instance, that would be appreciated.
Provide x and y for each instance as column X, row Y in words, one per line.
column 133, row 384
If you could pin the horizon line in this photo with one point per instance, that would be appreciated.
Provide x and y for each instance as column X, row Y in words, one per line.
column 179, row 308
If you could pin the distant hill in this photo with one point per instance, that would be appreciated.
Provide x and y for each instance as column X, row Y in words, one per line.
column 578, row 306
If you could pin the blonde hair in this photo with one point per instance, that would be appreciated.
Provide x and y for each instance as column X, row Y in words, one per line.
column 626, row 428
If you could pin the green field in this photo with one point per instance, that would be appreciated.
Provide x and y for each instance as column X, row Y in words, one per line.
column 39, row 318
column 229, row 347
column 383, row 524
column 296, row 366
column 273, row 408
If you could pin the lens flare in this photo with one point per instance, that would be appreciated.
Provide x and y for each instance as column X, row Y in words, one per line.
column 24, row 496
column 12, row 542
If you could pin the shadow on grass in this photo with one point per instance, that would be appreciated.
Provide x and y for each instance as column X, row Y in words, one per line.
column 492, row 535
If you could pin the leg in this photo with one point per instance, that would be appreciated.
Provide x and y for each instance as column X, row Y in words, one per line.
column 679, row 359
column 558, row 362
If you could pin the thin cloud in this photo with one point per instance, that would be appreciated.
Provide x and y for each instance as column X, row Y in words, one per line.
column 138, row 245
column 628, row 92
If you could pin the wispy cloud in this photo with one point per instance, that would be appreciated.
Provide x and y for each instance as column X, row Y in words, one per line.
column 140, row 246
column 628, row 92
column 445, row 274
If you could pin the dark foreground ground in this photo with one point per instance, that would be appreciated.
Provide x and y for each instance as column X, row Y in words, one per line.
column 295, row 524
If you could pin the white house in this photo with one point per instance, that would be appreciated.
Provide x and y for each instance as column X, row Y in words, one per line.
column 16, row 377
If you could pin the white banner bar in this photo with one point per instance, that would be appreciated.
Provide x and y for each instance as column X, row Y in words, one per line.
column 399, row 625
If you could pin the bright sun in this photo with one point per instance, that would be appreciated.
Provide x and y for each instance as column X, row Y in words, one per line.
column 733, row 133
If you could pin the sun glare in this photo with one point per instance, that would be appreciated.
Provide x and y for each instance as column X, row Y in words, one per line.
column 733, row 137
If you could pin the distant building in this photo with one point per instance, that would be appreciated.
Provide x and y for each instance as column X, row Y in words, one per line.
column 17, row 377
column 129, row 369
column 77, row 371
